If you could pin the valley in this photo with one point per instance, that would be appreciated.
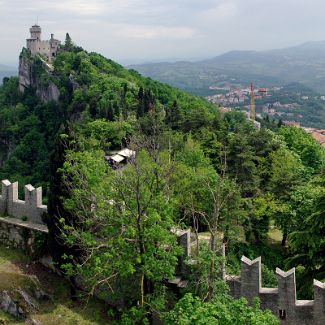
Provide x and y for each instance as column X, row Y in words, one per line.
column 293, row 76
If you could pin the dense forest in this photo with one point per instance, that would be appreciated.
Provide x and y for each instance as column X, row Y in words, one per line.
column 194, row 167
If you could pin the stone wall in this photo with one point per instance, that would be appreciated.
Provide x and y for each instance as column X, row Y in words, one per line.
column 35, row 45
column 27, row 236
column 282, row 300
column 184, row 240
column 32, row 208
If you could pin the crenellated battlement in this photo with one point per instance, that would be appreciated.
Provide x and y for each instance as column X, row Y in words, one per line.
column 282, row 300
column 32, row 207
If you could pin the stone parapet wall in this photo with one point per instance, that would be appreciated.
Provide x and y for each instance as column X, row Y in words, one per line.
column 282, row 300
column 32, row 208
column 26, row 236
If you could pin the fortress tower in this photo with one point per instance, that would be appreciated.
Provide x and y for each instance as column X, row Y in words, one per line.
column 48, row 49
column 35, row 32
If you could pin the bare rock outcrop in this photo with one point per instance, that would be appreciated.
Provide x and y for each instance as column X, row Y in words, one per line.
column 24, row 73
column 21, row 304
column 47, row 91
column 8, row 305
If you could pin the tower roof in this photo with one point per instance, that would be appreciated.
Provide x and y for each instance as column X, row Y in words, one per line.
column 35, row 28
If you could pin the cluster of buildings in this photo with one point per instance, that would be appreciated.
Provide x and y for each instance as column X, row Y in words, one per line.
column 228, row 97
column 281, row 110
column 233, row 96
column 46, row 48
column 291, row 123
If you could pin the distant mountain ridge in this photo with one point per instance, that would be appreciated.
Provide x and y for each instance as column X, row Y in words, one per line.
column 304, row 63
column 7, row 71
column 4, row 67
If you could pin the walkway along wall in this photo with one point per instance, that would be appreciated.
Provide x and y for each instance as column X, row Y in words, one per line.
column 32, row 208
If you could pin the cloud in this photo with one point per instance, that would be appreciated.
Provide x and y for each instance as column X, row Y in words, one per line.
column 222, row 11
column 75, row 7
column 162, row 28
column 154, row 32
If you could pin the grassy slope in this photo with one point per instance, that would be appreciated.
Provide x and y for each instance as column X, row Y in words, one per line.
column 15, row 271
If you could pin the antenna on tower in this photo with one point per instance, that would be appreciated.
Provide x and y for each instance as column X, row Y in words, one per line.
column 37, row 20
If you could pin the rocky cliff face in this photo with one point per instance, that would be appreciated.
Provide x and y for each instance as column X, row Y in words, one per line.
column 46, row 91
column 24, row 73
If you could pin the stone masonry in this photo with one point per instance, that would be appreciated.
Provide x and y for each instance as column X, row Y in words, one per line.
column 22, row 235
column 282, row 300
column 36, row 45
column 32, row 208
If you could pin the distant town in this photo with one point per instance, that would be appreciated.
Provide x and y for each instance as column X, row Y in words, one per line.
column 276, row 102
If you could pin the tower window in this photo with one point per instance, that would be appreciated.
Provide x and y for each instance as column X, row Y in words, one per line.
column 282, row 314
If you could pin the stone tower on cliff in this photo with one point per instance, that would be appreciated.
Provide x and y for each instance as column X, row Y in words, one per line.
column 48, row 49
column 46, row 90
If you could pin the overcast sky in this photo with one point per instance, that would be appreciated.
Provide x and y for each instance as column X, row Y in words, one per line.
column 132, row 31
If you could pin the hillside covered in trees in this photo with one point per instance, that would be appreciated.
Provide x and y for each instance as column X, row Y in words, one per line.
column 194, row 167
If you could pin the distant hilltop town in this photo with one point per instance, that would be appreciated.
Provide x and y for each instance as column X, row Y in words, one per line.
column 48, row 49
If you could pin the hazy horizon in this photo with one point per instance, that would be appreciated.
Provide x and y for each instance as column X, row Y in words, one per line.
column 139, row 31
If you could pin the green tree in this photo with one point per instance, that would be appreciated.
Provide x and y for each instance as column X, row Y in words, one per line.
column 241, row 163
column 110, row 135
column 221, row 310
column 68, row 44
column 260, row 210
column 122, row 222
column 307, row 241
column 286, row 174
column 206, row 196
column 311, row 153
column 174, row 116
